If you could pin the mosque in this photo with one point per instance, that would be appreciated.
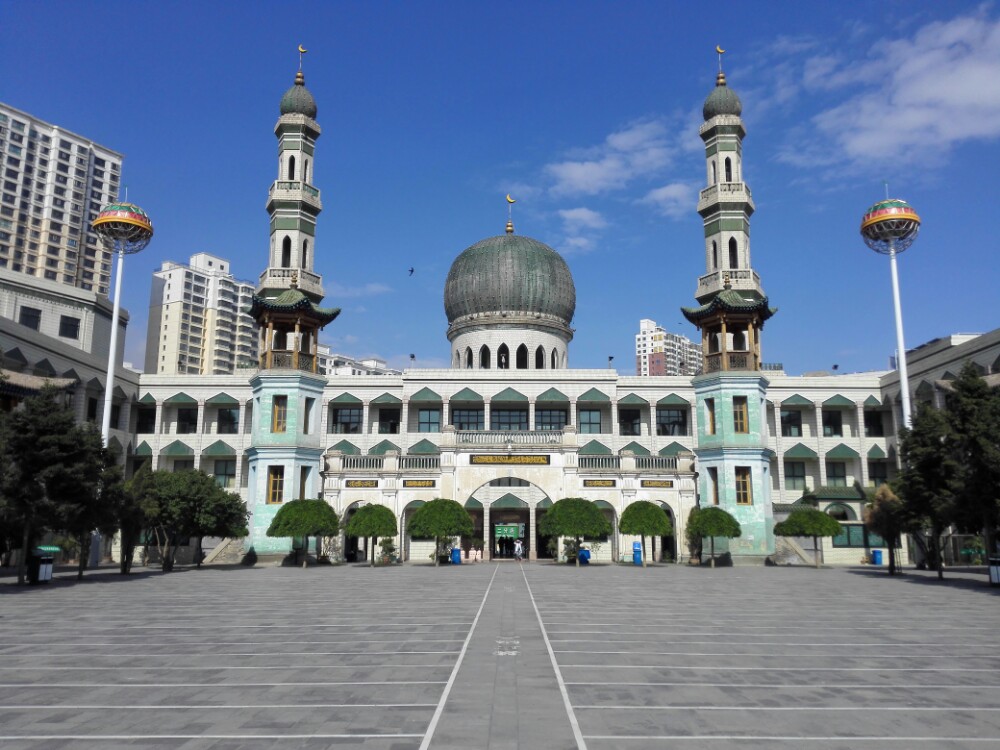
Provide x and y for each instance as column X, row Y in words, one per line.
column 510, row 427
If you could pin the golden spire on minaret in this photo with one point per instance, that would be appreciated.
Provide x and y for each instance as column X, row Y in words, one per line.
column 510, row 217
column 302, row 51
column 720, row 80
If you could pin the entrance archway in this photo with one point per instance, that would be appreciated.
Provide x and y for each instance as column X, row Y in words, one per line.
column 609, row 512
column 411, row 545
column 515, row 504
column 668, row 544
column 350, row 547
column 510, row 519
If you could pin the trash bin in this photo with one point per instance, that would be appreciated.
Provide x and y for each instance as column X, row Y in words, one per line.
column 637, row 553
column 876, row 557
column 40, row 563
column 584, row 557
column 995, row 571
column 456, row 556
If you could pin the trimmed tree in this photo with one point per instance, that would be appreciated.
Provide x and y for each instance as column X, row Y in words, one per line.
column 885, row 515
column 575, row 517
column 440, row 518
column 129, row 516
column 372, row 521
column 713, row 522
column 809, row 522
column 304, row 518
column 643, row 517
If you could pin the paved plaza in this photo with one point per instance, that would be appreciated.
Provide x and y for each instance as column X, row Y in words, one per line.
column 500, row 656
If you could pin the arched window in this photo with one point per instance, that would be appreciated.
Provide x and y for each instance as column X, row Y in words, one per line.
column 841, row 512
column 484, row 358
column 522, row 357
column 555, row 359
column 291, row 167
column 734, row 255
column 539, row 358
column 503, row 357
column 305, row 254
column 305, row 171
column 286, row 252
column 715, row 177
column 729, row 170
column 468, row 357
column 715, row 254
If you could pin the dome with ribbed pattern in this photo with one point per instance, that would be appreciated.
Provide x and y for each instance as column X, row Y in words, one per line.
column 297, row 100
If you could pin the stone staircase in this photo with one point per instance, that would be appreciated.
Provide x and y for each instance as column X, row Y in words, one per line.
column 788, row 552
column 226, row 552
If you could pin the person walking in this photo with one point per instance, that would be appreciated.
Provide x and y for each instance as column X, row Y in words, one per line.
column 518, row 550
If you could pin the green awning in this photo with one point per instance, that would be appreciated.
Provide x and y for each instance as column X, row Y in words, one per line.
column 219, row 448
column 510, row 396
column 473, row 504
column 467, row 394
column 876, row 452
column 636, row 449
column 673, row 449
column 552, row 396
column 425, row 395
column 387, row 398
column 594, row 396
column 347, row 448
column 382, row 448
column 222, row 399
column 801, row 451
column 595, row 448
column 633, row 400
column 796, row 400
column 508, row 501
column 842, row 451
column 181, row 399
column 544, row 504
column 825, row 492
column 424, row 448
column 147, row 400
column 673, row 400
column 345, row 399
column 839, row 401
column 873, row 402
column 177, row 448
column 143, row 450
column 114, row 446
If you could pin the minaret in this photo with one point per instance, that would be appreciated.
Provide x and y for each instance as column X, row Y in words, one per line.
column 733, row 458
column 285, row 457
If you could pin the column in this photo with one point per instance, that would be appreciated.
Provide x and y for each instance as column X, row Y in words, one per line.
column 572, row 414
column 531, row 415
column 486, row 415
column 532, row 534
column 487, row 547
column 202, row 428
column 296, row 344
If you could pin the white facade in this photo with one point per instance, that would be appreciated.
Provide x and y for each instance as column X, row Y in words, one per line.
column 197, row 319
column 54, row 183
column 659, row 352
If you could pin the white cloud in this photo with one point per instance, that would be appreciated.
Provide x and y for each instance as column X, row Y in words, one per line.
column 675, row 200
column 577, row 245
column 576, row 219
column 338, row 291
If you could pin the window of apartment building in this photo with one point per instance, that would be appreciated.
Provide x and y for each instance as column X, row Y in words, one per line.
column 225, row 473
column 550, row 419
column 713, row 485
column 429, row 420
column 467, row 419
column 187, row 420
column 873, row 424
column 836, row 474
column 279, row 414
column 183, row 464
column 388, row 421
column 275, row 484
column 69, row 327
column 791, row 423
column 833, row 423
column 345, row 421
column 307, row 415
column 590, row 421
column 856, row 535
column 628, row 422
column 30, row 317
column 795, row 475
column 709, row 416
column 671, row 422
column 741, row 419
column 509, row 419
column 878, row 473
column 744, row 487
column 145, row 420
column 229, row 421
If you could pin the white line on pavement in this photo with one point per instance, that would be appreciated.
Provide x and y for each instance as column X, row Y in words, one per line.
column 209, row 706
column 213, row 685
column 755, row 738
column 680, row 707
column 779, row 685
column 776, row 669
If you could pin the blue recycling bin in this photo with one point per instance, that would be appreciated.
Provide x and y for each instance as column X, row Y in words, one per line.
column 637, row 553
column 456, row 556
column 876, row 557
column 584, row 557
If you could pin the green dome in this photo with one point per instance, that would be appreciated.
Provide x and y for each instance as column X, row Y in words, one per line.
column 297, row 100
column 722, row 100
column 510, row 273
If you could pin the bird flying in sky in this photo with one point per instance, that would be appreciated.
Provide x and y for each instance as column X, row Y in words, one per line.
column 411, row 270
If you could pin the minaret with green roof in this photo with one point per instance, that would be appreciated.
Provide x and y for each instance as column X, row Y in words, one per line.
column 734, row 462
column 285, row 457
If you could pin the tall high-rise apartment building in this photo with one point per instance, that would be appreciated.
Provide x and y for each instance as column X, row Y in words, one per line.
column 53, row 183
column 197, row 319
column 658, row 352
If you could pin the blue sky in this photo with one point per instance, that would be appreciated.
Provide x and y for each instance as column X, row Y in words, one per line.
column 588, row 113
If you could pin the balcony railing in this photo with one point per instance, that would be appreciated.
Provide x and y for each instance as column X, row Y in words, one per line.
column 737, row 361
column 725, row 189
column 739, row 278
column 377, row 463
column 656, row 463
column 363, row 463
column 284, row 360
column 420, row 463
column 509, row 437
column 600, row 463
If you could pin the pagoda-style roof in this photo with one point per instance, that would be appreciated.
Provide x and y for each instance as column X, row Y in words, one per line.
column 730, row 301
column 292, row 301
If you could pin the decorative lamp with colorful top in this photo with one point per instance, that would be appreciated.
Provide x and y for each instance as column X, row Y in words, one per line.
column 124, row 226
column 891, row 225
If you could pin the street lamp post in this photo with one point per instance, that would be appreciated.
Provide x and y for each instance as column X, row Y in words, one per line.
column 890, row 227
